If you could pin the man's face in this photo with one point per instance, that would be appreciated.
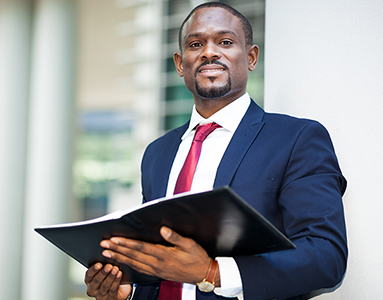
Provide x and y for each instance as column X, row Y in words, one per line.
column 215, row 59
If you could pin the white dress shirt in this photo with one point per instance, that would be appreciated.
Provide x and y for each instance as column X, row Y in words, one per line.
column 212, row 151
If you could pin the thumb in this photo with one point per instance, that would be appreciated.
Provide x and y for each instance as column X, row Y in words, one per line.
column 170, row 235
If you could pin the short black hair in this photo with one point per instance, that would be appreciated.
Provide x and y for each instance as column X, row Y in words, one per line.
column 246, row 26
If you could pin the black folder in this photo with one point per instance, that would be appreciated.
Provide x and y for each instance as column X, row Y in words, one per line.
column 219, row 220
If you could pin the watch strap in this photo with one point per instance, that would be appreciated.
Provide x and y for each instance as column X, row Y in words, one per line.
column 211, row 272
column 208, row 283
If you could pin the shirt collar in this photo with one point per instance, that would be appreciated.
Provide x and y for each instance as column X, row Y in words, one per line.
column 228, row 117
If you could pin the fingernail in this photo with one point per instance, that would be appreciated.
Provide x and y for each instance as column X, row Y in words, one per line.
column 106, row 254
column 166, row 232
column 114, row 271
column 105, row 244
column 108, row 268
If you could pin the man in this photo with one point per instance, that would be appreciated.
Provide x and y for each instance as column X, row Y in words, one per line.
column 284, row 167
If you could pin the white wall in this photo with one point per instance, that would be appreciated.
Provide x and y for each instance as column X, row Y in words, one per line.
column 324, row 60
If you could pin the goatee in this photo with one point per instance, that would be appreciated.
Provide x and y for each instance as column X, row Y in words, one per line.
column 214, row 92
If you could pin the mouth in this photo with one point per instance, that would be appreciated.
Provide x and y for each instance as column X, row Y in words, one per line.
column 211, row 70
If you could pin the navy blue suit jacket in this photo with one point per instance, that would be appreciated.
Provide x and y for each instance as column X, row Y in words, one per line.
column 286, row 168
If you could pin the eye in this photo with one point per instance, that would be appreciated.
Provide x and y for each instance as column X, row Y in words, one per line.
column 195, row 45
column 226, row 42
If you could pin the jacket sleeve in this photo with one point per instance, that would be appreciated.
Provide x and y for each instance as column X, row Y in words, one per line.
column 309, row 199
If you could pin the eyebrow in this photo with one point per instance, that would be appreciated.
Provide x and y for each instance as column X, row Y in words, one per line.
column 198, row 34
column 222, row 32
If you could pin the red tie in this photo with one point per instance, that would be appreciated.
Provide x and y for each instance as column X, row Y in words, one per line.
column 171, row 290
column 185, row 178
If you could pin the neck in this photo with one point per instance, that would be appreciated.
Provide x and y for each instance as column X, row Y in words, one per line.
column 208, row 107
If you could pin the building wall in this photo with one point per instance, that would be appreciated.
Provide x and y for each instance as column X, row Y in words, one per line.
column 324, row 61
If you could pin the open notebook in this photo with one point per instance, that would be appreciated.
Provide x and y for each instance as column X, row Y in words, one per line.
column 219, row 220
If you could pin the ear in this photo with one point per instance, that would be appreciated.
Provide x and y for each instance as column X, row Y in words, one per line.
column 177, row 57
column 253, row 55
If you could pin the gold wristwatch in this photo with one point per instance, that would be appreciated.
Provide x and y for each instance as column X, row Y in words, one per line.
column 207, row 284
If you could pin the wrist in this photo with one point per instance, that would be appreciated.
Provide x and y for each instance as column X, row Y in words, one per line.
column 212, row 278
column 130, row 296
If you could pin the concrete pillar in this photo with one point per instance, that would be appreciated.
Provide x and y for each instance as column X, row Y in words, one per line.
column 323, row 60
column 14, row 74
column 48, row 192
column 147, row 106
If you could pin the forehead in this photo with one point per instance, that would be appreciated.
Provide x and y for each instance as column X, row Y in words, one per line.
column 212, row 20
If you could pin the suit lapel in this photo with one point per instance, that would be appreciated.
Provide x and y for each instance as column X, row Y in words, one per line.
column 242, row 139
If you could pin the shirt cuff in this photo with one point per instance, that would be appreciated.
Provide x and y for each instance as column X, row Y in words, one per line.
column 231, row 282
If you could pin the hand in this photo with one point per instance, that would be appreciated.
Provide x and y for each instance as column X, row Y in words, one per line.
column 185, row 262
column 103, row 283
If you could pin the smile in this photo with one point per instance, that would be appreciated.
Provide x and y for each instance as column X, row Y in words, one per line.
column 211, row 70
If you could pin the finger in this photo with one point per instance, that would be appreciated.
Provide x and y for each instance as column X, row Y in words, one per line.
column 93, row 270
column 176, row 239
column 130, row 248
column 144, row 247
column 107, row 284
column 169, row 235
column 115, row 287
column 140, row 262
column 142, row 257
column 143, row 252
column 93, row 286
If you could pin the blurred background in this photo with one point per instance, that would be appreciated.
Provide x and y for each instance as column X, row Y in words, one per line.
column 85, row 85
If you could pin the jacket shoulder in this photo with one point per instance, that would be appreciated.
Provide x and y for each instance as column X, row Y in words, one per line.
column 163, row 140
column 289, row 124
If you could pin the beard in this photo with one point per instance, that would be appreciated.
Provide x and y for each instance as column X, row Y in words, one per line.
column 214, row 92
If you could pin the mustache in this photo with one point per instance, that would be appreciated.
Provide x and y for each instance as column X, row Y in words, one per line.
column 211, row 62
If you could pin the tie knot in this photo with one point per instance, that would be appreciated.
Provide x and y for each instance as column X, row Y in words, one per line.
column 202, row 131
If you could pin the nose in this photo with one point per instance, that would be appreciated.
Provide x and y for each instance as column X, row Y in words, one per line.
column 210, row 51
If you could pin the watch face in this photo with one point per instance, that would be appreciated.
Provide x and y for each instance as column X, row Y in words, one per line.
column 205, row 286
